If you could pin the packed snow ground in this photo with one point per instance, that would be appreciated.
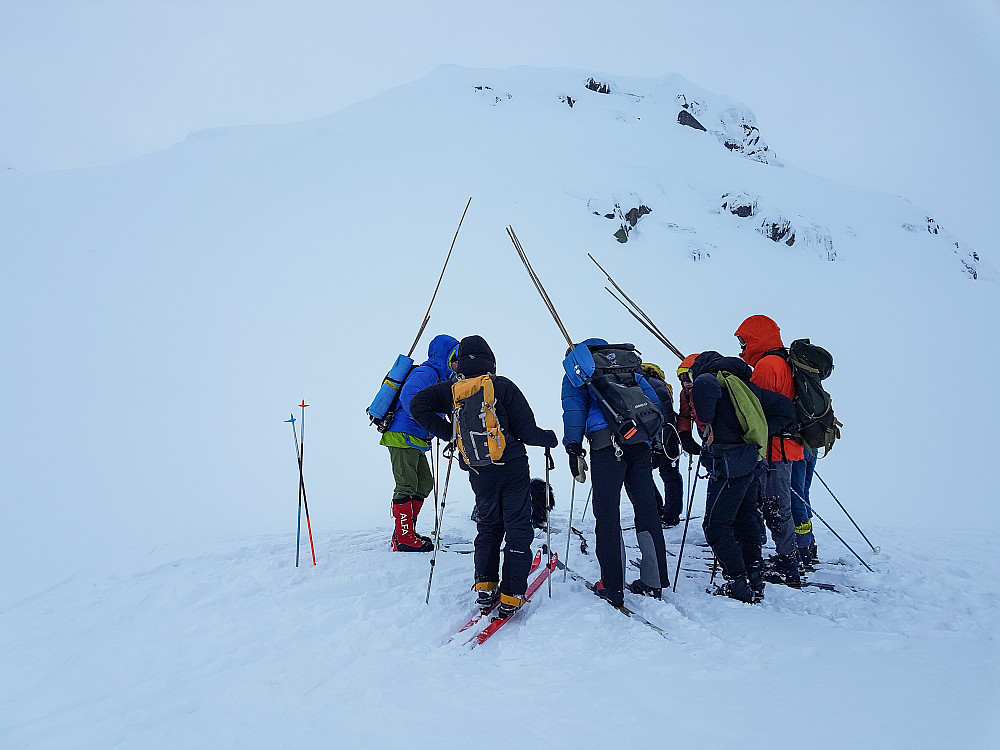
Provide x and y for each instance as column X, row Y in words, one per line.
column 164, row 316
column 238, row 648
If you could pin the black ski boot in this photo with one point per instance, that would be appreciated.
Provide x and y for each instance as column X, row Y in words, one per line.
column 487, row 595
column 638, row 587
column 668, row 522
column 736, row 588
column 808, row 555
column 508, row 606
column 615, row 598
column 784, row 571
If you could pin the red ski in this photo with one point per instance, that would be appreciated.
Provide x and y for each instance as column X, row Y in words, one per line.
column 478, row 617
column 495, row 625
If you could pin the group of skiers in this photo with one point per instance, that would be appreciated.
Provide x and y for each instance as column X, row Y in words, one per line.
column 753, row 481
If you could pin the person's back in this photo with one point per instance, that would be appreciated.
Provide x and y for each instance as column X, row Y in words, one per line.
column 615, row 465
column 503, row 502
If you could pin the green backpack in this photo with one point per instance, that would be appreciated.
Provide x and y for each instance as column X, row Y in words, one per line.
column 748, row 411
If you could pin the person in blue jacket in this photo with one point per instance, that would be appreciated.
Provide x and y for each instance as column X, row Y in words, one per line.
column 408, row 444
column 612, row 467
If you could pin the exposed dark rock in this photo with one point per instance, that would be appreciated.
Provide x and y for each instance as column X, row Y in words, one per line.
column 600, row 88
column 740, row 204
column 686, row 118
column 779, row 231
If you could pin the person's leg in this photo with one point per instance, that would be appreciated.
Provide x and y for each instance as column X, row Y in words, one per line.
column 776, row 505
column 802, row 474
column 673, row 493
column 405, row 471
column 607, row 475
column 748, row 528
column 723, row 503
column 515, row 504
column 639, row 486
column 425, row 484
column 489, row 527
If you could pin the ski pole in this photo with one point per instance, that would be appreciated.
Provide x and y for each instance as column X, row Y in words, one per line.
column 587, row 504
column 436, row 467
column 549, row 465
column 687, row 520
column 832, row 531
column 427, row 315
column 450, row 455
column 298, row 459
column 637, row 312
column 569, row 528
column 302, row 481
column 538, row 285
column 875, row 549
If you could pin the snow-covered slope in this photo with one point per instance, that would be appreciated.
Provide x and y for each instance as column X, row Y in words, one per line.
column 163, row 316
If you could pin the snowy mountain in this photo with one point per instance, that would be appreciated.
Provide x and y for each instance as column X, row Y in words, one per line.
column 163, row 316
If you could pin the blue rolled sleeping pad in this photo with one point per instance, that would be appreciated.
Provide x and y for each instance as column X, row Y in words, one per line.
column 388, row 394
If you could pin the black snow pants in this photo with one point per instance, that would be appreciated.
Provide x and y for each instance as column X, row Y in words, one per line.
column 504, row 507
column 733, row 525
column 633, row 470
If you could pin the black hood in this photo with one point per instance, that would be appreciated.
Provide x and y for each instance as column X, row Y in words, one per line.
column 475, row 357
column 713, row 362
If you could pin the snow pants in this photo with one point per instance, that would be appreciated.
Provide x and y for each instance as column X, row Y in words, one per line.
column 503, row 504
column 776, row 505
column 671, row 503
column 732, row 523
column 411, row 472
column 802, row 475
column 633, row 470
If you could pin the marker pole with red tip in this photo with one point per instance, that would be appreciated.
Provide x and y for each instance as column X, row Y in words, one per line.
column 302, row 481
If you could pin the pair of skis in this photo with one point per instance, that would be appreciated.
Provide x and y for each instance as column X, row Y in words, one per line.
column 491, row 625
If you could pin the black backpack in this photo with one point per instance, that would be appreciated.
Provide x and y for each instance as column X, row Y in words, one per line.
column 811, row 365
column 632, row 417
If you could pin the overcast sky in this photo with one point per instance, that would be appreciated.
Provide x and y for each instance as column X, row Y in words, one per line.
column 902, row 97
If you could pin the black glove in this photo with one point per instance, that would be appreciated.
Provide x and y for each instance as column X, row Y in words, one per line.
column 577, row 463
column 689, row 444
column 551, row 439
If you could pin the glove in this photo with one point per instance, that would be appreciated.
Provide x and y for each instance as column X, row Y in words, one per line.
column 551, row 439
column 577, row 463
column 689, row 444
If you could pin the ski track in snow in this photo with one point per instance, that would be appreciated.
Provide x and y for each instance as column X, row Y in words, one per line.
column 238, row 648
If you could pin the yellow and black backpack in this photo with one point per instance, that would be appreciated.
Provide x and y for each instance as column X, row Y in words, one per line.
column 480, row 438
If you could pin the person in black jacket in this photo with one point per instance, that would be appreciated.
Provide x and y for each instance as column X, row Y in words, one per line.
column 733, row 524
column 501, row 488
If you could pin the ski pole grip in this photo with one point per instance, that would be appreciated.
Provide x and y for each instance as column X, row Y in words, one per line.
column 550, row 464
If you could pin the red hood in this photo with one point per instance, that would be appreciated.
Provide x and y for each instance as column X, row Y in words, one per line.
column 761, row 335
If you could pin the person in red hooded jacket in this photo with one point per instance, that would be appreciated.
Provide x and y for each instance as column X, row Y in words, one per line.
column 761, row 348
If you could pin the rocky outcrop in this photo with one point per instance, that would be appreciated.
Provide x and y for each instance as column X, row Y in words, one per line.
column 735, row 126
column 597, row 86
column 686, row 118
column 969, row 259
column 627, row 218
column 778, row 227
